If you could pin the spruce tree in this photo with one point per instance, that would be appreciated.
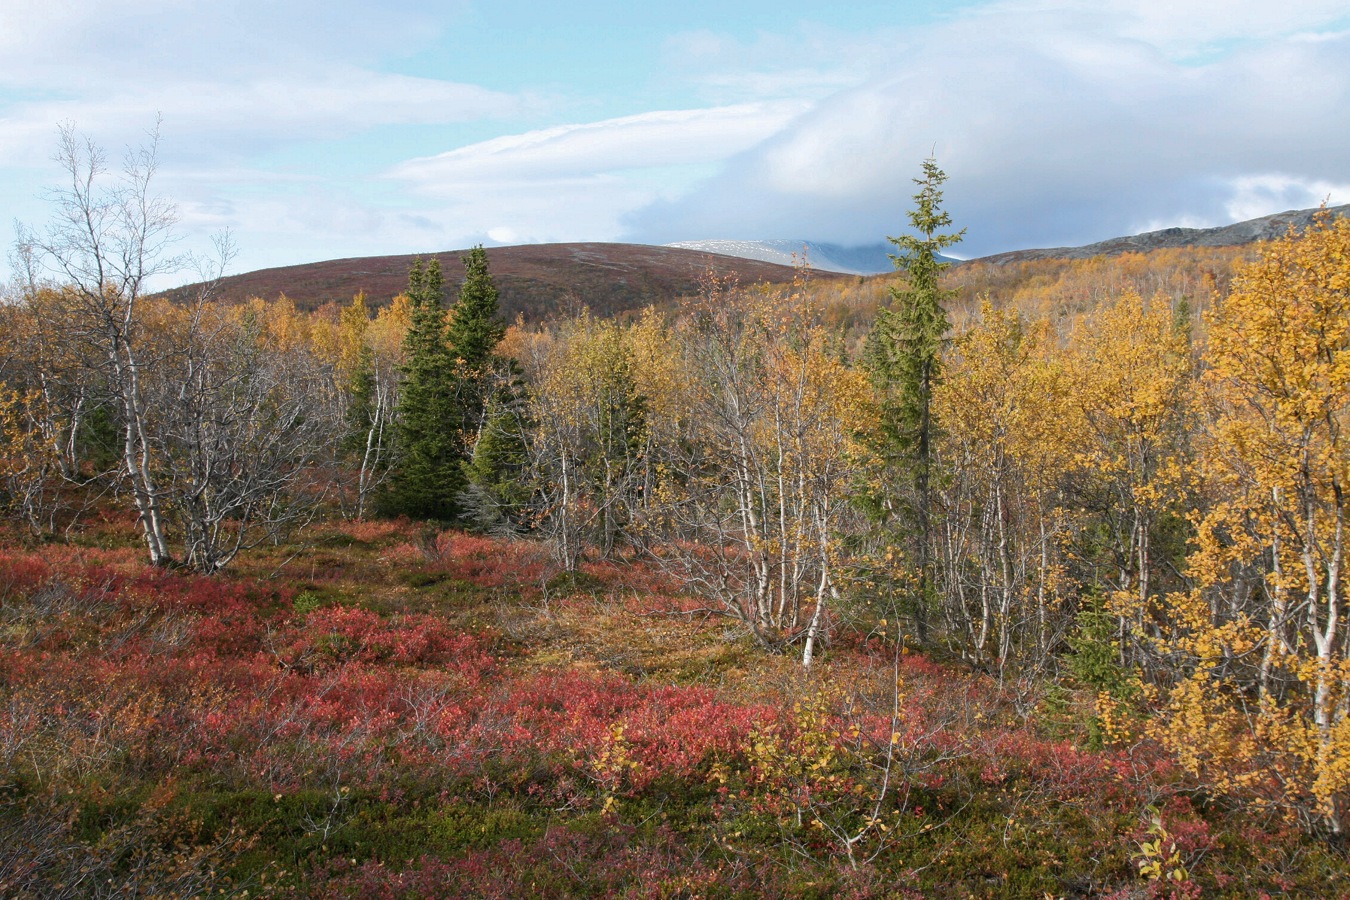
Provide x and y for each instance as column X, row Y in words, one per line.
column 428, row 475
column 474, row 333
column 498, row 494
column 904, row 356
column 475, row 327
column 491, row 424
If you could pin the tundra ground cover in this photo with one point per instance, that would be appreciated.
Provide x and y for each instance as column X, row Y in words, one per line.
column 402, row 712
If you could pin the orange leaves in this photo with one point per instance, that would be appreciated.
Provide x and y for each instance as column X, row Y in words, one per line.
column 1009, row 435
column 351, row 343
column 1005, row 391
column 1265, row 629
column 17, row 442
column 1131, row 375
column 1280, row 355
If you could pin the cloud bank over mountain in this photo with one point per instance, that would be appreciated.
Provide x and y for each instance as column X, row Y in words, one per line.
column 1056, row 127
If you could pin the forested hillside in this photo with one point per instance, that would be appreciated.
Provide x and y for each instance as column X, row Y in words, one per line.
column 1055, row 288
column 997, row 580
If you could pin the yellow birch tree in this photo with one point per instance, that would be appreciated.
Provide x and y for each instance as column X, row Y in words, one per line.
column 1132, row 375
column 1011, row 433
column 1263, row 708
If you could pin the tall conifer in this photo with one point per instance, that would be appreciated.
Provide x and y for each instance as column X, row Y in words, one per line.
column 475, row 327
column 473, row 335
column 428, row 476
column 904, row 356
column 491, row 423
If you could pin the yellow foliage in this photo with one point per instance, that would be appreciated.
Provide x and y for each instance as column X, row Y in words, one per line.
column 1010, row 430
column 1265, row 706
column 1159, row 859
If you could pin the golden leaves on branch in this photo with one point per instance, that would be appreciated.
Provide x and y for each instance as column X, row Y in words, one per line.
column 1264, row 707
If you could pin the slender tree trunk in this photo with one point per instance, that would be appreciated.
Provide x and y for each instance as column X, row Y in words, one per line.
column 136, row 451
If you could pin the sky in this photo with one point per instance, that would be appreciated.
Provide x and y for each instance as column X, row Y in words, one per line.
column 323, row 129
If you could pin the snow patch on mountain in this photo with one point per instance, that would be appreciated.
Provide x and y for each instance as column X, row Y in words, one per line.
column 866, row 260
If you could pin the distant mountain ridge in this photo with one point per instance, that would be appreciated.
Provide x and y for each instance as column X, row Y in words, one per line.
column 1264, row 228
column 875, row 259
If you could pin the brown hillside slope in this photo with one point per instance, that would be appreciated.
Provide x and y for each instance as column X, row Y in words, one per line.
column 536, row 280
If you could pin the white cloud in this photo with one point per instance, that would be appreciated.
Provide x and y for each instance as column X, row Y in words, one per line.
column 1056, row 125
column 1178, row 28
column 577, row 182
column 286, row 106
column 647, row 141
column 1260, row 195
column 59, row 44
column 297, row 222
column 1192, row 24
column 228, row 78
column 809, row 63
column 1059, row 121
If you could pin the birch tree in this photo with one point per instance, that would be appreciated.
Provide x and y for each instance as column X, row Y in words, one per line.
column 591, row 430
column 1132, row 380
column 751, row 507
column 1262, row 704
column 1011, row 434
column 109, row 237
column 243, row 409
column 219, row 413
column 370, row 354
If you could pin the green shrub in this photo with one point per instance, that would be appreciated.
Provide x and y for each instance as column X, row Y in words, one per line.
column 306, row 602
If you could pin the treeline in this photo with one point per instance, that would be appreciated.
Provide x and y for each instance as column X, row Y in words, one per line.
column 1150, row 500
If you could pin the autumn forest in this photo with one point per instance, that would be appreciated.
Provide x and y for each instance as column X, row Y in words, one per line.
column 1010, row 579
